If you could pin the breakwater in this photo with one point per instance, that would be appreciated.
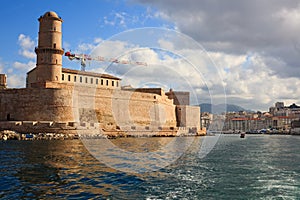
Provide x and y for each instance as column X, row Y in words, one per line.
column 13, row 135
column 90, row 134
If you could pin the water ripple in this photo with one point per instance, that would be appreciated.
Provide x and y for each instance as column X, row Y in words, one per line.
column 257, row 167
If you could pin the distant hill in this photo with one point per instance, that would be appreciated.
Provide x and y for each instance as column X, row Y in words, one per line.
column 219, row 108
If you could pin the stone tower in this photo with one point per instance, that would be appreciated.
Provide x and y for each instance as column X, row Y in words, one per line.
column 3, row 83
column 49, row 51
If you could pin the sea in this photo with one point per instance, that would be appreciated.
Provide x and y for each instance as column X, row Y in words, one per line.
column 210, row 167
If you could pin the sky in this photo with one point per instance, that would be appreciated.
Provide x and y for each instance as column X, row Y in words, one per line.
column 235, row 51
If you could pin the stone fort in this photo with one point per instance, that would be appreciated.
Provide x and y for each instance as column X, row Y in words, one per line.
column 62, row 100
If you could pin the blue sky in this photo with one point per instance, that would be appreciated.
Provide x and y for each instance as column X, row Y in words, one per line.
column 83, row 21
column 254, row 45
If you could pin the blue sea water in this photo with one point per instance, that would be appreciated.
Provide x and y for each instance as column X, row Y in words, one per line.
column 256, row 167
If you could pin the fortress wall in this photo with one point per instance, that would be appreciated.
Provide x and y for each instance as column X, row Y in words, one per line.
column 121, row 108
column 188, row 116
column 36, row 104
column 112, row 109
column 146, row 109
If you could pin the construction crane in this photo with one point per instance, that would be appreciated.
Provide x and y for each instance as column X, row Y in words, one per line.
column 85, row 57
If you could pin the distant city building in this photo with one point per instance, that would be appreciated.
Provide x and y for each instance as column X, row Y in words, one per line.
column 279, row 117
column 206, row 119
column 279, row 105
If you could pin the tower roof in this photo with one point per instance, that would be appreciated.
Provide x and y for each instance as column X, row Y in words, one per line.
column 50, row 14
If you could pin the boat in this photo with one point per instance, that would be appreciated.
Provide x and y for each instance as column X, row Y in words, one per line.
column 242, row 135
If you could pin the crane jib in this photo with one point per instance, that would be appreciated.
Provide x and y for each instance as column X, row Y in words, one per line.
column 84, row 57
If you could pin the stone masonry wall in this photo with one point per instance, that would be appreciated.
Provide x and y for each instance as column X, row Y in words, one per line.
column 188, row 116
column 36, row 104
column 121, row 109
column 109, row 109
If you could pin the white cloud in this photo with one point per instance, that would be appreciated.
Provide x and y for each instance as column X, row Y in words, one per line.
column 98, row 40
column 290, row 18
column 255, row 85
column 66, row 45
column 85, row 47
column 27, row 46
column 15, row 80
column 165, row 44
column 109, row 49
column 164, row 68
column 24, row 66
column 255, row 44
column 267, row 27
column 120, row 19
column 16, row 74
column 251, row 79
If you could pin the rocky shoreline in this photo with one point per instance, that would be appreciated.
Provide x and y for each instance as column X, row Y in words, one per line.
column 13, row 135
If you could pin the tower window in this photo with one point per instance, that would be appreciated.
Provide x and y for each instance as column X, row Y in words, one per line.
column 91, row 80
column 63, row 77
column 106, row 82
column 117, row 84
column 75, row 77
column 112, row 83
column 80, row 79
column 54, row 45
column 86, row 80
column 96, row 81
column 101, row 81
column 69, row 77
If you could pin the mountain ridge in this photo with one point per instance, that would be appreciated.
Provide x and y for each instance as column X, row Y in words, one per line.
column 220, row 108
